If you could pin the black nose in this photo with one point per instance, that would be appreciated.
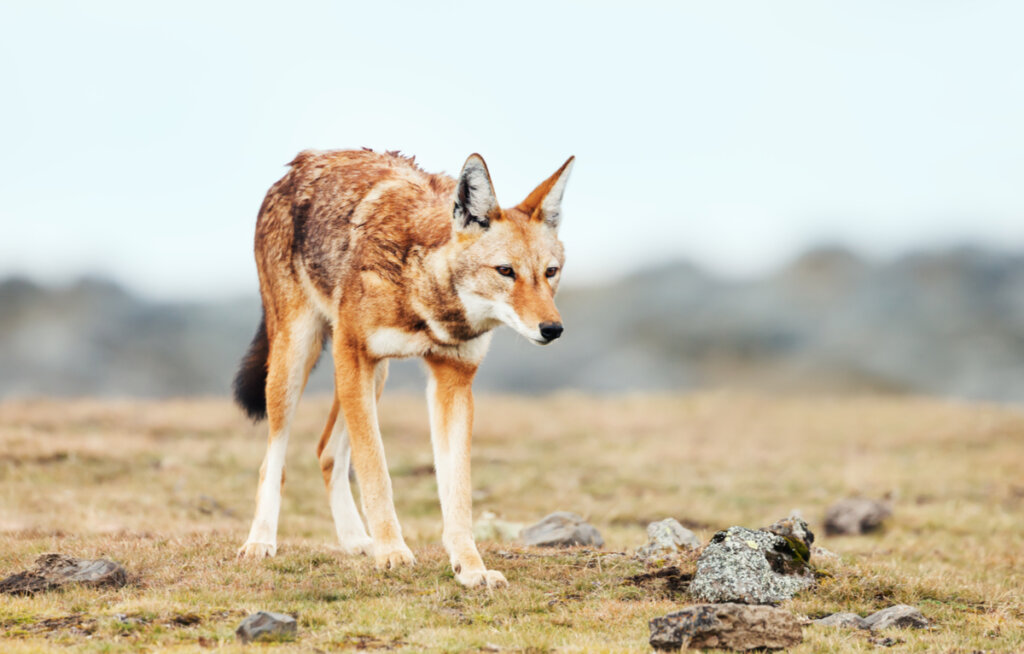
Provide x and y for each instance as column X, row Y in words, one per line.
column 550, row 330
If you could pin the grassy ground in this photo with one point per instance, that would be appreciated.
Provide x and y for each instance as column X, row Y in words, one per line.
column 166, row 488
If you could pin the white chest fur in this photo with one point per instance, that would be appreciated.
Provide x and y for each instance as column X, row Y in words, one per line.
column 392, row 342
column 389, row 342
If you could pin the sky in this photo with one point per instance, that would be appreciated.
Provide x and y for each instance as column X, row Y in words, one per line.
column 137, row 139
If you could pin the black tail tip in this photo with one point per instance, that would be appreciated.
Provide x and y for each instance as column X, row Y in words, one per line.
column 252, row 400
column 250, row 386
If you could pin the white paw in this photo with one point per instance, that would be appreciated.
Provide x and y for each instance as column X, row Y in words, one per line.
column 257, row 550
column 487, row 578
column 356, row 546
column 392, row 555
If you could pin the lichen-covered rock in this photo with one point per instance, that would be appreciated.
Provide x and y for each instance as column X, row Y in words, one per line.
column 851, row 620
column 796, row 532
column 561, row 529
column 901, row 615
column 726, row 626
column 855, row 515
column 667, row 538
column 267, row 625
column 751, row 567
column 53, row 570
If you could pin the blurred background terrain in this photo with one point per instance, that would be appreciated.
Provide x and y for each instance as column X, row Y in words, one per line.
column 947, row 322
column 794, row 196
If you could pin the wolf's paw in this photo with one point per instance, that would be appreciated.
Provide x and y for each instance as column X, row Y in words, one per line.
column 481, row 578
column 392, row 555
column 257, row 550
column 356, row 546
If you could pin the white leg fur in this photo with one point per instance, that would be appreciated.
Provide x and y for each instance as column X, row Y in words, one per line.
column 451, row 420
column 352, row 536
column 262, row 540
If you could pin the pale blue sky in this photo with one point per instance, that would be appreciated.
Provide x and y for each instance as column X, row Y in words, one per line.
column 137, row 139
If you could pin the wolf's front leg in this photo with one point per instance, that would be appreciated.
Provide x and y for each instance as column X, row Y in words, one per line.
column 450, row 399
column 354, row 382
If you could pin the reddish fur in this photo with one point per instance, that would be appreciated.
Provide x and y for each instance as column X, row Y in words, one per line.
column 358, row 243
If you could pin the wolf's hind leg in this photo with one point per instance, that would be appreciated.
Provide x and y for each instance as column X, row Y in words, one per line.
column 294, row 347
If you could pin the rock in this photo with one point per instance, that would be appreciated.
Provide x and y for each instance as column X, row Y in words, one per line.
column 822, row 553
column 851, row 620
column 752, row 567
column 667, row 538
column 53, row 570
column 561, row 529
column 490, row 527
column 726, row 626
column 267, row 625
column 796, row 532
column 901, row 615
column 855, row 515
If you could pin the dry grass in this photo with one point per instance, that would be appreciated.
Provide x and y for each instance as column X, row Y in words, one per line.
column 166, row 488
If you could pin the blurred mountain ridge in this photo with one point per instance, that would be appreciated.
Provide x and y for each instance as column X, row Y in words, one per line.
column 944, row 322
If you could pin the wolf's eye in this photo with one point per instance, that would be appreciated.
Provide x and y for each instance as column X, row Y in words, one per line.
column 506, row 271
column 551, row 272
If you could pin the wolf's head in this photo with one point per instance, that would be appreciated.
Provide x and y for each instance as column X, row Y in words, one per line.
column 509, row 261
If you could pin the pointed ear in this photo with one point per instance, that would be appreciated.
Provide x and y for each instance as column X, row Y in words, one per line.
column 475, row 203
column 545, row 202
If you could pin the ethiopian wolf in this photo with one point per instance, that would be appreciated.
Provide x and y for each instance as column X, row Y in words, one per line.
column 390, row 261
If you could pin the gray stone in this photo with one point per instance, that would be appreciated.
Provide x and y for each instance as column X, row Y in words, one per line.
column 901, row 615
column 667, row 538
column 561, row 529
column 851, row 620
column 752, row 567
column 267, row 625
column 53, row 570
column 822, row 553
column 795, row 530
column 726, row 626
column 855, row 515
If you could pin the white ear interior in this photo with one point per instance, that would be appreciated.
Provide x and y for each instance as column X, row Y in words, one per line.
column 551, row 207
column 474, row 196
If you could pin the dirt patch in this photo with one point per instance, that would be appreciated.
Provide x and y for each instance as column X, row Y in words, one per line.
column 184, row 620
column 368, row 641
column 39, row 459
column 664, row 583
column 78, row 624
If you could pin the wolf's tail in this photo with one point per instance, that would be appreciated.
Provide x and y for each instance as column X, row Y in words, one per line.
column 251, row 379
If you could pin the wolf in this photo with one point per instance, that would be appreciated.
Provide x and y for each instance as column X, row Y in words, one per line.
column 389, row 261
